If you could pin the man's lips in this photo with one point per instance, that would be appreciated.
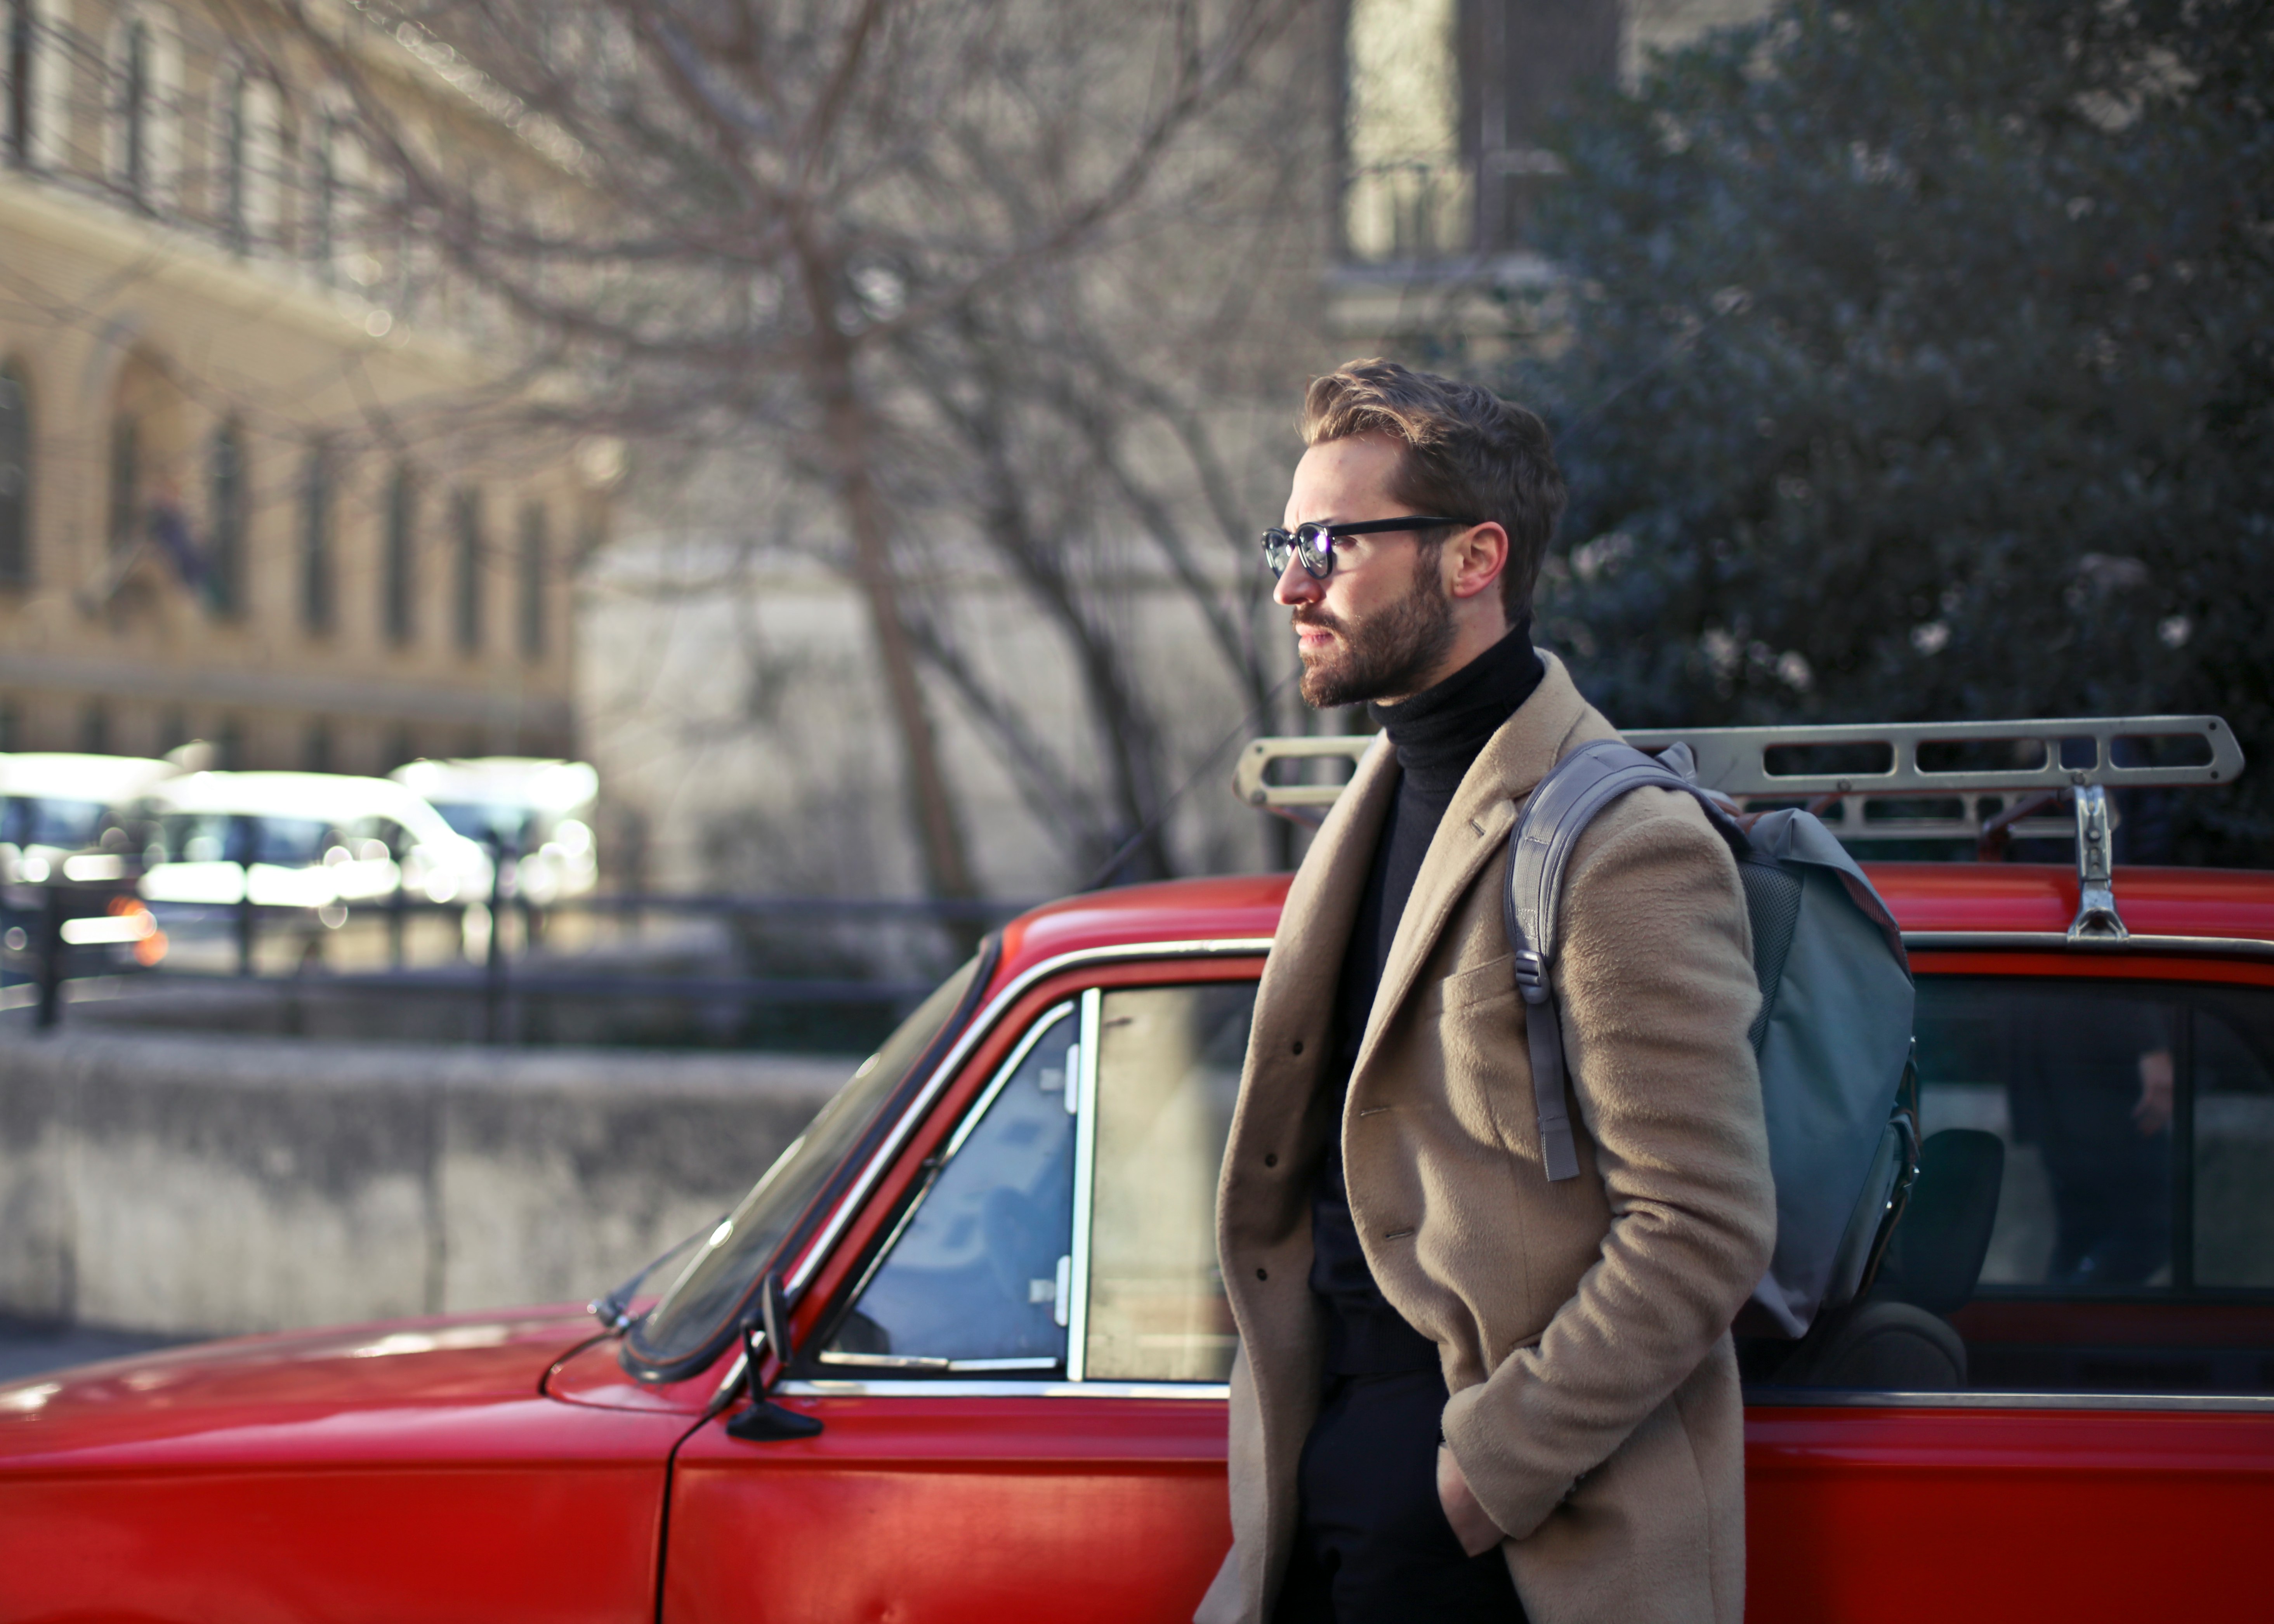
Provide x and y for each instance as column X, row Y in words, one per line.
column 1313, row 634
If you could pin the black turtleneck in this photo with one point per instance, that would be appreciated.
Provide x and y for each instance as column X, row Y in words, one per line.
column 1437, row 735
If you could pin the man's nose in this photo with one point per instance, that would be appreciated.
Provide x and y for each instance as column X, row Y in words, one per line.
column 1297, row 585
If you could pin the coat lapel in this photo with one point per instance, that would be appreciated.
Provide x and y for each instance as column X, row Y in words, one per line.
column 1294, row 1005
column 1474, row 829
column 1300, row 979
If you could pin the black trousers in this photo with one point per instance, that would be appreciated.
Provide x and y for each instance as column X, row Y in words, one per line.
column 1371, row 1545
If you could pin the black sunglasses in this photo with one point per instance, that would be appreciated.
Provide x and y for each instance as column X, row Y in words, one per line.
column 1313, row 544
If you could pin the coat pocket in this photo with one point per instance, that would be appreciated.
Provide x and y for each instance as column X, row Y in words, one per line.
column 1478, row 1028
column 1479, row 983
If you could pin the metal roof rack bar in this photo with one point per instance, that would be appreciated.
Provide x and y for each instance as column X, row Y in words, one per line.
column 1737, row 760
column 1996, row 803
column 1247, row 774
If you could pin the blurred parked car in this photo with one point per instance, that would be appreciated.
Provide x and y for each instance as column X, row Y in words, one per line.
column 300, row 840
column 53, row 804
column 541, row 809
column 962, row 1353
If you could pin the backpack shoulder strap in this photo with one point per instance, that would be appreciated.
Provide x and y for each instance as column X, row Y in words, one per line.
column 1560, row 807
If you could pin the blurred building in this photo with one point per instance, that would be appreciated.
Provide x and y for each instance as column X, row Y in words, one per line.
column 1447, row 109
column 245, row 493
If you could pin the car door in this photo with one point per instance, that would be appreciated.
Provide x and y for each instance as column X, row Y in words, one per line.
column 2107, row 1450
column 1021, row 1379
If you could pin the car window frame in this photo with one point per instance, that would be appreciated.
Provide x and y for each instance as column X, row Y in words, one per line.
column 2033, row 955
column 932, row 1169
column 828, row 1274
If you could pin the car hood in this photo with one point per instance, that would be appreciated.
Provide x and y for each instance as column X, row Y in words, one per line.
column 400, row 1390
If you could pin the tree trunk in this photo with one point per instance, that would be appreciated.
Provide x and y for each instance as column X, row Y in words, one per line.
column 940, row 835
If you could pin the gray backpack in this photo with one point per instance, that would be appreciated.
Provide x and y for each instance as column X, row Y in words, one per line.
column 1833, row 1037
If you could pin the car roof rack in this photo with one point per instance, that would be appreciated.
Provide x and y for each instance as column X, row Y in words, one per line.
column 1987, row 782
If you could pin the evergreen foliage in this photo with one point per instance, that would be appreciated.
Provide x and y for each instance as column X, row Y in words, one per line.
column 1922, row 367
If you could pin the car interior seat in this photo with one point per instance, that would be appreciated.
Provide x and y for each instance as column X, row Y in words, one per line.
column 1895, row 1338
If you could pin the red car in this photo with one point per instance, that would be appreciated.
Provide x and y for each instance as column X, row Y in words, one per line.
column 990, row 1262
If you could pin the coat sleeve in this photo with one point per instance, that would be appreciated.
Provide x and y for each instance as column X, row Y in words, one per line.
column 1654, row 980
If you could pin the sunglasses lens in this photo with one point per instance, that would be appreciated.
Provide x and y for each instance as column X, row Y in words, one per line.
column 1312, row 545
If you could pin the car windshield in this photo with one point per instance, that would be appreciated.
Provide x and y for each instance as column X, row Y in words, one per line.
column 694, row 1308
column 50, row 820
column 485, row 821
column 292, row 843
column 200, row 837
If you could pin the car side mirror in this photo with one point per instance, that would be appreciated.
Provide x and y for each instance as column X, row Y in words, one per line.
column 766, row 1421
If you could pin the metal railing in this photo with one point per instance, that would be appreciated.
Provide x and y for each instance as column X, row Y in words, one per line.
column 63, row 926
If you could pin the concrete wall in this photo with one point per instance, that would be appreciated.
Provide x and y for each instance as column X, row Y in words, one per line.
column 193, row 1183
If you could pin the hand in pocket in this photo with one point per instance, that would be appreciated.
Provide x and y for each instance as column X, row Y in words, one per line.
column 1477, row 1532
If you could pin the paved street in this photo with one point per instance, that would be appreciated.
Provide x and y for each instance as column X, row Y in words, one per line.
column 33, row 1349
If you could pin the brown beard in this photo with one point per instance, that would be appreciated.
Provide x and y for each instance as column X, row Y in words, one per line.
column 1391, row 651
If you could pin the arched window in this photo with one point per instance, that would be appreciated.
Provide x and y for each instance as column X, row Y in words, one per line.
column 35, row 63
column 15, row 477
column 22, row 52
column 318, row 476
column 399, row 568
column 248, row 162
column 333, row 225
column 536, row 564
column 142, row 134
column 129, row 107
column 466, row 521
column 227, row 507
column 232, row 158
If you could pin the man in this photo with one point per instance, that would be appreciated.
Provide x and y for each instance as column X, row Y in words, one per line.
column 1463, row 1391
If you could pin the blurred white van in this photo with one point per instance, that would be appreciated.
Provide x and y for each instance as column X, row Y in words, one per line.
column 540, row 808
column 53, row 804
column 300, row 840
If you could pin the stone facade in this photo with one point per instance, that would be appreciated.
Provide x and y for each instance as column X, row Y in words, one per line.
column 245, row 493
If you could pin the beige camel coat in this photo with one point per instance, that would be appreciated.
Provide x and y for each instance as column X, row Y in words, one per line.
column 1583, row 1325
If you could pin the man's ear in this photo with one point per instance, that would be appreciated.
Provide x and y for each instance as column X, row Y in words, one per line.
column 1474, row 559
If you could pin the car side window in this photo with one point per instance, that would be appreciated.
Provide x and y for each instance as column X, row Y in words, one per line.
column 2077, row 1080
column 972, row 1278
column 2091, row 1214
column 1168, row 1076
column 2233, row 1119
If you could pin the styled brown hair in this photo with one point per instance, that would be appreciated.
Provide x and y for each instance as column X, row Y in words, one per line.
column 1469, row 454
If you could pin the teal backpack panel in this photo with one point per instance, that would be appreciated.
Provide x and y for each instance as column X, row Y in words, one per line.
column 1832, row 1039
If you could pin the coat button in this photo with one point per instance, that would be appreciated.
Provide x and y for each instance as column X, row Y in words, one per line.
column 1272, row 1159
column 1298, row 1046
column 1263, row 1274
